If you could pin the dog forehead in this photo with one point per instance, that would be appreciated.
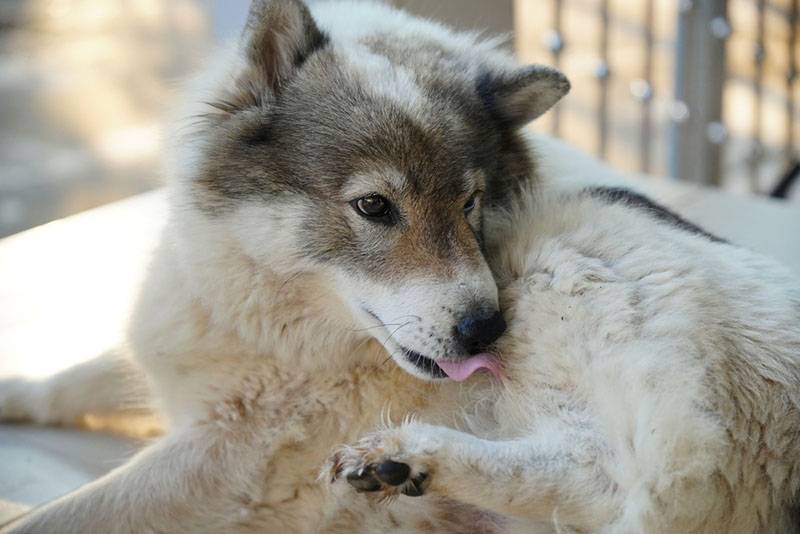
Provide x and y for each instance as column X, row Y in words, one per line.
column 408, row 186
column 347, row 131
column 339, row 117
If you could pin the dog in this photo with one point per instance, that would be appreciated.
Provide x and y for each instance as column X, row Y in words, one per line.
column 357, row 228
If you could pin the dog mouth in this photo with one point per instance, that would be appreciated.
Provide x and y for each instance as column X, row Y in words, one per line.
column 458, row 369
column 423, row 363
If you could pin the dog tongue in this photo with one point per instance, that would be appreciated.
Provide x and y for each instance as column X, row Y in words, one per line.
column 463, row 369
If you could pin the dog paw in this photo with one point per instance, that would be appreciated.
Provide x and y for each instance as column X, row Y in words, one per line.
column 381, row 465
column 388, row 477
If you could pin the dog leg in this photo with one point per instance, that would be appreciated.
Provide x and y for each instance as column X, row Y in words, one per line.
column 187, row 482
column 550, row 476
column 106, row 385
column 207, row 476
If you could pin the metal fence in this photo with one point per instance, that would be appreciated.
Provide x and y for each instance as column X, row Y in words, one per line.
column 702, row 90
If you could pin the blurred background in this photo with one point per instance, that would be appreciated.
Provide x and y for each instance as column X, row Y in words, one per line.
column 703, row 90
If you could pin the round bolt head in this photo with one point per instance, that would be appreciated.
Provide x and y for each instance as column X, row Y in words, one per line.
column 716, row 132
column 602, row 71
column 720, row 28
column 642, row 90
column 679, row 111
column 553, row 41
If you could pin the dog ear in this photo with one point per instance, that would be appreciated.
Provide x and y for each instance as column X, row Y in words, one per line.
column 520, row 96
column 278, row 37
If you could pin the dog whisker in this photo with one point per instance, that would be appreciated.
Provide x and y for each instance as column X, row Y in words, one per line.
column 373, row 327
column 395, row 331
column 416, row 317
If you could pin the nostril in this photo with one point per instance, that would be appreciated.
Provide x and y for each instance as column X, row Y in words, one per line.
column 465, row 328
column 476, row 332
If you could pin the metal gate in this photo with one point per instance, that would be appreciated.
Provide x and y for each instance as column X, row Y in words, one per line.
column 702, row 90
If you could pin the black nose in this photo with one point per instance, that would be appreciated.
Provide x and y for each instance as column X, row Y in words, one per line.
column 479, row 330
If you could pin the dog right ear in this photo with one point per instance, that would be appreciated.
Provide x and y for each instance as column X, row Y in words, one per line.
column 278, row 37
column 520, row 96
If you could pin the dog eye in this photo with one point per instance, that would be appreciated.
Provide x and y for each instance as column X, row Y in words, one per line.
column 470, row 205
column 373, row 207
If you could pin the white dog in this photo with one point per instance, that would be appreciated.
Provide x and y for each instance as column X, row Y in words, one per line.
column 343, row 214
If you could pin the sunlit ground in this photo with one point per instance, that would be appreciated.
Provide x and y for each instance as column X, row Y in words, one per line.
column 65, row 300
column 84, row 85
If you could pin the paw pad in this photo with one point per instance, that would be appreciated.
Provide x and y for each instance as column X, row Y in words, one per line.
column 392, row 473
column 388, row 476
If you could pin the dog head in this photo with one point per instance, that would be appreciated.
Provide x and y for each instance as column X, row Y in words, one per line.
column 369, row 145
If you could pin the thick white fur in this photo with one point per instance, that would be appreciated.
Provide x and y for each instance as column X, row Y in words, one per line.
column 653, row 382
column 653, row 387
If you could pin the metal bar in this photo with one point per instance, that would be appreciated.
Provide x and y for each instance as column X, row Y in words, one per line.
column 603, row 72
column 645, row 92
column 791, row 77
column 556, row 45
column 679, row 110
column 699, row 78
column 757, row 151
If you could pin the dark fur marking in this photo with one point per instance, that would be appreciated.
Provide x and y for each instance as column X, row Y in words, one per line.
column 258, row 134
column 318, row 40
column 620, row 195
column 485, row 87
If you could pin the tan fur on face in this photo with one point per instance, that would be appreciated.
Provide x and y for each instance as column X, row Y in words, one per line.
column 433, row 237
column 434, row 246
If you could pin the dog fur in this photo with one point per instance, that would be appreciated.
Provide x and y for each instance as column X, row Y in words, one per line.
column 651, row 371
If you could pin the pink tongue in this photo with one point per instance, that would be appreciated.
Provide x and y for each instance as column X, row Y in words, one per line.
column 463, row 369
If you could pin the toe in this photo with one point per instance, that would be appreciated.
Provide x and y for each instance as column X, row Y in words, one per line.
column 392, row 473
column 362, row 480
column 416, row 486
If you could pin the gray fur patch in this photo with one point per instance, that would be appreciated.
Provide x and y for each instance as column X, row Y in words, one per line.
column 322, row 123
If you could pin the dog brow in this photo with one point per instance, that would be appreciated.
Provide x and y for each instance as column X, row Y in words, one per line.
column 389, row 178
column 476, row 179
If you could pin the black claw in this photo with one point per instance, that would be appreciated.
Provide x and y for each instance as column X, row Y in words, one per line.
column 392, row 473
column 362, row 480
column 416, row 486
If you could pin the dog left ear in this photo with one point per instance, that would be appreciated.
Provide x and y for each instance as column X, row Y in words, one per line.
column 279, row 36
column 522, row 95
